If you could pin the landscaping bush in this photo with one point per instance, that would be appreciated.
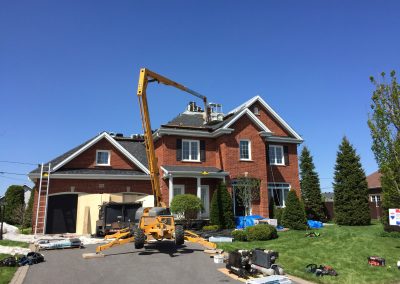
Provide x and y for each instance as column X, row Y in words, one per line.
column 261, row 232
column 294, row 216
column 278, row 212
column 186, row 205
column 239, row 235
column 221, row 208
column 385, row 234
column 29, row 211
column 211, row 228
column 14, row 199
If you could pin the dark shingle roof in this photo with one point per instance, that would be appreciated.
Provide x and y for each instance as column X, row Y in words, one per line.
column 192, row 169
column 196, row 120
column 136, row 149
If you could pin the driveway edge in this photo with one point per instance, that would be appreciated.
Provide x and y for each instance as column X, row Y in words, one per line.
column 19, row 275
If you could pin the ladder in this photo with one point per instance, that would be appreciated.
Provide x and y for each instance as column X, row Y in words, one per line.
column 43, row 191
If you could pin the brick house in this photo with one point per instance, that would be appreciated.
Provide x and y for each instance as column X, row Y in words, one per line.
column 193, row 157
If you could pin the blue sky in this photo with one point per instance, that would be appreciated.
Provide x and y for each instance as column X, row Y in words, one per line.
column 69, row 69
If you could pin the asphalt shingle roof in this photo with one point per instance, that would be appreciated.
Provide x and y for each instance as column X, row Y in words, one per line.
column 192, row 169
column 374, row 180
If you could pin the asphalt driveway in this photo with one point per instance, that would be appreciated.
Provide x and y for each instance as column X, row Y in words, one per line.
column 156, row 264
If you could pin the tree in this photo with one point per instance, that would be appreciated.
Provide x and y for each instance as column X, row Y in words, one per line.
column 350, row 187
column 187, row 206
column 310, row 187
column 384, row 124
column 294, row 215
column 14, row 198
column 29, row 210
column 221, row 208
column 247, row 189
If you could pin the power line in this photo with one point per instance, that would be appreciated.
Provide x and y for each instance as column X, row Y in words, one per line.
column 8, row 173
column 21, row 163
column 19, row 179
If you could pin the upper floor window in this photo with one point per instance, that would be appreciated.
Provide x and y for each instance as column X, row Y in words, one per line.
column 102, row 158
column 276, row 155
column 191, row 150
column 245, row 149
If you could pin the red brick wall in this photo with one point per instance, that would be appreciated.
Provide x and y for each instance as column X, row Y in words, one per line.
column 289, row 173
column 169, row 152
column 87, row 160
column 269, row 121
column 229, row 158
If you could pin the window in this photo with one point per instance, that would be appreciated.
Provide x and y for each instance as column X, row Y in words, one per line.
column 245, row 150
column 190, row 150
column 375, row 198
column 278, row 193
column 276, row 156
column 102, row 158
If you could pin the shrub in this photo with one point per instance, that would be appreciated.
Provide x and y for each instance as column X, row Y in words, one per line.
column 239, row 235
column 278, row 212
column 211, row 228
column 261, row 232
column 14, row 198
column 221, row 208
column 294, row 216
column 186, row 205
column 385, row 234
column 29, row 211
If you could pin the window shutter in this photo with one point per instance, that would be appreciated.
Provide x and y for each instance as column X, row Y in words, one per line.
column 286, row 155
column 202, row 150
column 179, row 149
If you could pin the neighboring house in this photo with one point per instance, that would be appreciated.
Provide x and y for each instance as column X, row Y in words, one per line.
column 327, row 196
column 193, row 157
column 374, row 187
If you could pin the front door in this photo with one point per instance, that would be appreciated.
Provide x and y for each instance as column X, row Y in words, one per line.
column 205, row 199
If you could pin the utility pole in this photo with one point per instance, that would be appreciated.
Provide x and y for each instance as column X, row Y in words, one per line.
column 2, row 207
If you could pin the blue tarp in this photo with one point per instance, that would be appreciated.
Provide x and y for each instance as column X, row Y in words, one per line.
column 246, row 221
column 314, row 224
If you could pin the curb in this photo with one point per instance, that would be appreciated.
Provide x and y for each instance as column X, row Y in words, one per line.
column 19, row 275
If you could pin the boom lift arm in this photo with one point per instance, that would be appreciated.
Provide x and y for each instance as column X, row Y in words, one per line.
column 146, row 76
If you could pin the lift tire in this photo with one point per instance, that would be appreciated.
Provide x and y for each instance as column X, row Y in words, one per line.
column 179, row 235
column 139, row 238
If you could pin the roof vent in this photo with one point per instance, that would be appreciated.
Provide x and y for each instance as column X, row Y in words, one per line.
column 119, row 135
column 216, row 113
column 112, row 134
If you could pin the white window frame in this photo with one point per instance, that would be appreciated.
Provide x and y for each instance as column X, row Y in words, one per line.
column 190, row 150
column 249, row 150
column 374, row 198
column 279, row 186
column 109, row 157
column 274, row 149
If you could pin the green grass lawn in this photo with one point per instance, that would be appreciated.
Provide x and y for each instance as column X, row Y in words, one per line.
column 9, row 243
column 6, row 273
column 345, row 248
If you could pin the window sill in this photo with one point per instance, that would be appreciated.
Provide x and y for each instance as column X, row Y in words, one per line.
column 190, row 161
column 243, row 160
column 103, row 165
column 278, row 165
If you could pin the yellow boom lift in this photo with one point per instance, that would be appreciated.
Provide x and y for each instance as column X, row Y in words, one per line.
column 155, row 223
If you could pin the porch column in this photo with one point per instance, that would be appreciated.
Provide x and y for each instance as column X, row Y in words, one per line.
column 170, row 189
column 199, row 191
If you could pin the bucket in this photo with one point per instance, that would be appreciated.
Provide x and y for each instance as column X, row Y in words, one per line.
column 218, row 258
